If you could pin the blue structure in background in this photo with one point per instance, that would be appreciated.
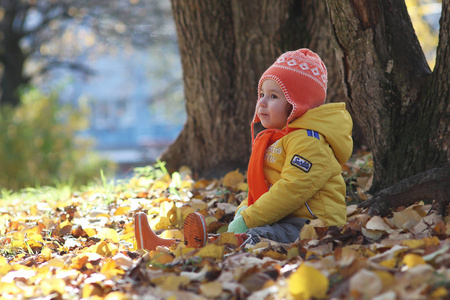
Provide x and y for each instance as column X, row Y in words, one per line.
column 136, row 102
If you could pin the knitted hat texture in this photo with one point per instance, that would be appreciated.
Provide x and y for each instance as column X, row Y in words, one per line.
column 302, row 76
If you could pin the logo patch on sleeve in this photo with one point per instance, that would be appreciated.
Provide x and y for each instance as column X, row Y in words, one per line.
column 301, row 163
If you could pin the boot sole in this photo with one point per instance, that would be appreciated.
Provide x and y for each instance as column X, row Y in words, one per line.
column 195, row 233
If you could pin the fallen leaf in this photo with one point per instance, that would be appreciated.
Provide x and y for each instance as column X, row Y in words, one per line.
column 211, row 289
column 108, row 233
column 122, row 210
column 91, row 290
column 171, row 234
column 227, row 238
column 372, row 234
column 116, row 296
column 160, row 257
column 50, row 285
column 308, row 232
column 232, row 179
column 406, row 219
column 412, row 260
column 377, row 223
column 256, row 281
column 46, row 253
column 307, row 282
column 366, row 283
column 211, row 250
column 171, row 282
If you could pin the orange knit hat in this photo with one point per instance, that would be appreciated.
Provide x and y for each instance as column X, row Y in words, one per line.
column 302, row 76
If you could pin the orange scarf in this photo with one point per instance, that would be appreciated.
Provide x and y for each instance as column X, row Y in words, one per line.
column 255, row 175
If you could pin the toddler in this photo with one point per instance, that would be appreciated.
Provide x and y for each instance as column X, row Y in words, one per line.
column 294, row 172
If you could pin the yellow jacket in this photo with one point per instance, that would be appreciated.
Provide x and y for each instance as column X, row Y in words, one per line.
column 304, row 170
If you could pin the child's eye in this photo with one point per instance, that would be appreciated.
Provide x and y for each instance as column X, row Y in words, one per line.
column 261, row 95
column 273, row 96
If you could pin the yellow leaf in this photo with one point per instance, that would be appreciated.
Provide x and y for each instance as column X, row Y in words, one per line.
column 232, row 179
column 108, row 265
column 211, row 250
column 318, row 223
column 197, row 204
column 165, row 207
column 108, row 233
column 389, row 263
column 3, row 261
column 182, row 250
column 90, row 231
column 412, row 260
column 171, row 282
column 171, row 234
column 103, row 248
column 18, row 240
column 431, row 241
column 109, row 269
column 79, row 261
column 387, row 279
column 413, row 244
column 160, row 257
column 242, row 186
column 46, row 254
column 90, row 290
column 122, row 210
column 129, row 237
column 9, row 288
column 56, row 262
column 211, row 289
column 308, row 232
column 50, row 285
column 65, row 223
column 274, row 255
column 307, row 282
column 227, row 238
column 439, row 293
column 210, row 219
column 185, row 211
column 292, row 252
column 159, row 223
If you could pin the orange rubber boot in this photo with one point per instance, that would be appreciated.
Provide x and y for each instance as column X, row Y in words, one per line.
column 241, row 238
column 145, row 237
column 195, row 232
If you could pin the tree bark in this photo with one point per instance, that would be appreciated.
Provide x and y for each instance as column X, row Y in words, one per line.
column 402, row 107
column 433, row 184
column 11, row 57
column 225, row 46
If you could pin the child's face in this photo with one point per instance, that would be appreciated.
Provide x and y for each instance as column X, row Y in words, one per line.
column 272, row 107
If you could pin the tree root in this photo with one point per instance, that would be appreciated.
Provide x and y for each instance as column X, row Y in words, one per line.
column 433, row 184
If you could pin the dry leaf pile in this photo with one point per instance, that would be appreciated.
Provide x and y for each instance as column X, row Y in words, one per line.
column 83, row 246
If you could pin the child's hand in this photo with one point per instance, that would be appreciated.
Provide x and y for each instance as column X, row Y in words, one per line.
column 238, row 225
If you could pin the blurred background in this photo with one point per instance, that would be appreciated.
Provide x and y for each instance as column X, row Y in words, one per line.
column 108, row 71
column 90, row 85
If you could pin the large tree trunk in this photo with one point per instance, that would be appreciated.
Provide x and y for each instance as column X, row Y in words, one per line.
column 402, row 107
column 11, row 57
column 225, row 46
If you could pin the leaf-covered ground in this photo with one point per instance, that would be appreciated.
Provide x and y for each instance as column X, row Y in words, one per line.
column 60, row 245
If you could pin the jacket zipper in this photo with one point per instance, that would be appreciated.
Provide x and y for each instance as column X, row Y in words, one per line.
column 310, row 211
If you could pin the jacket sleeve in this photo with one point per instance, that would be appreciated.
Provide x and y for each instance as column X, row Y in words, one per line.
column 298, row 182
column 243, row 203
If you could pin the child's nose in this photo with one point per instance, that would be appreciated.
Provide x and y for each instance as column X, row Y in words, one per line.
column 262, row 101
